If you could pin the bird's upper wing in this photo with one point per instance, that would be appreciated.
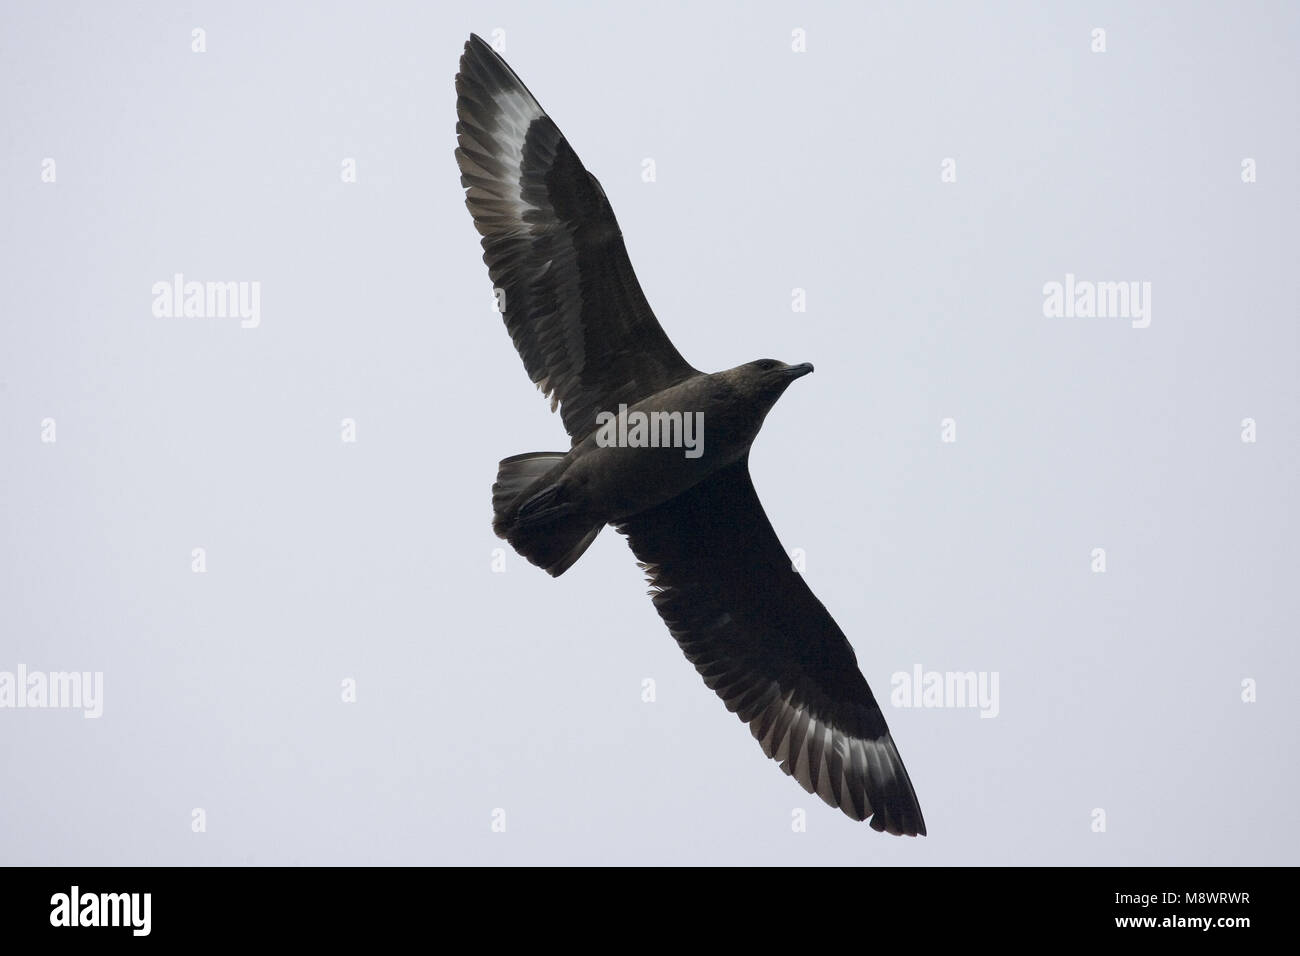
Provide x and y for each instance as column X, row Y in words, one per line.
column 760, row 638
column 572, row 303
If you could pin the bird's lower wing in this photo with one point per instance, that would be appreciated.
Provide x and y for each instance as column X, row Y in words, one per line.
column 571, row 302
column 762, row 641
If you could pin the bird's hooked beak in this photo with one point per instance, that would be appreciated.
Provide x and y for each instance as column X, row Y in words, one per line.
column 798, row 371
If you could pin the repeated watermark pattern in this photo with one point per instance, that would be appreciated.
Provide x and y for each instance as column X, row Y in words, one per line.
column 638, row 429
column 1086, row 299
column 179, row 298
column 53, row 690
column 977, row 690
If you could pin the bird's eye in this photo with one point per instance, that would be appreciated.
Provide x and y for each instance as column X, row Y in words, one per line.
column 767, row 365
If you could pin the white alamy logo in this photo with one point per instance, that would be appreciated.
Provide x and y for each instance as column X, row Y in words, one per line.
column 75, row 690
column 954, row 689
column 1084, row 299
column 208, row 300
column 651, row 430
column 102, row 909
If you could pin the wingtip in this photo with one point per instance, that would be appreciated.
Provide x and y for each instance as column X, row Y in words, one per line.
column 477, row 46
column 476, row 50
column 895, row 827
column 484, row 71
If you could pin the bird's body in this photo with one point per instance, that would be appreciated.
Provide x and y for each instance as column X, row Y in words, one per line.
column 614, row 476
column 721, row 579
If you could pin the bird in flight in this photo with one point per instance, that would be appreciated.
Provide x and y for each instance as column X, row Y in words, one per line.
column 719, row 576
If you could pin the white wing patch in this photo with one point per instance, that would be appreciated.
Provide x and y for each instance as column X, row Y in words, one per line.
column 515, row 111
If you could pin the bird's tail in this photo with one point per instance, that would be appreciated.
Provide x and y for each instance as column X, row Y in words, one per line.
column 531, row 513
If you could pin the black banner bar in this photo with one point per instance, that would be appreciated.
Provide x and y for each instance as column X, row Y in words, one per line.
column 1149, row 905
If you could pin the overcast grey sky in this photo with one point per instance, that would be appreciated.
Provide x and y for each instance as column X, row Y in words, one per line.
column 774, row 170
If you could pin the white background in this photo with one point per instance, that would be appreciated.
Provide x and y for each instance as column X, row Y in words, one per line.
column 775, row 170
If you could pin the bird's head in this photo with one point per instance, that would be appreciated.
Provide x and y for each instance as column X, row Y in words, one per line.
column 753, row 389
column 745, row 394
column 766, row 380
